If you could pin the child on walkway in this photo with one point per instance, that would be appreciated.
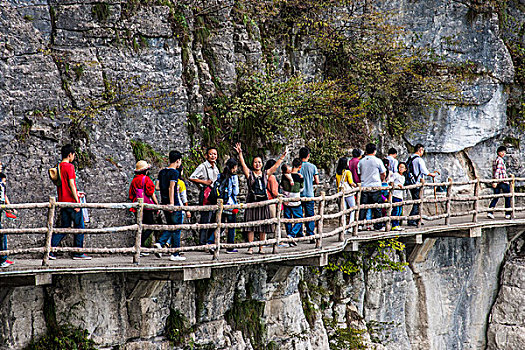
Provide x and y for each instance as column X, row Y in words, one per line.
column 398, row 194
column 4, row 262
column 344, row 181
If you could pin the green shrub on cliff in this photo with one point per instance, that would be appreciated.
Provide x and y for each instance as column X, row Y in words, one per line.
column 65, row 337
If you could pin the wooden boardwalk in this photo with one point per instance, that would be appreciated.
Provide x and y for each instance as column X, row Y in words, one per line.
column 459, row 215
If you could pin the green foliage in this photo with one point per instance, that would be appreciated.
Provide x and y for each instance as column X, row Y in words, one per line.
column 29, row 18
column 60, row 337
column 65, row 337
column 144, row 151
column 177, row 328
column 246, row 316
column 25, row 128
column 347, row 338
column 371, row 75
column 308, row 307
column 100, row 11
column 374, row 256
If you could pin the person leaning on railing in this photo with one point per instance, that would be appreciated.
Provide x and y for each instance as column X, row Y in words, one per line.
column 257, row 184
column 499, row 171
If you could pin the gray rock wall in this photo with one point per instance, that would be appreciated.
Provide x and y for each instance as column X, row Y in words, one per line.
column 441, row 301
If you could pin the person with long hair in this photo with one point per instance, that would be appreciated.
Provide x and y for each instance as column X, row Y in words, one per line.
column 344, row 180
column 228, row 191
column 257, row 184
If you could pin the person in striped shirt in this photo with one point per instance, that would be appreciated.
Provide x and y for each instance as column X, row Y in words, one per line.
column 499, row 171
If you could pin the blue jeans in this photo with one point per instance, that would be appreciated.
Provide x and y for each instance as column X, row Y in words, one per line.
column 501, row 188
column 69, row 216
column 172, row 218
column 396, row 211
column 3, row 245
column 308, row 210
column 293, row 212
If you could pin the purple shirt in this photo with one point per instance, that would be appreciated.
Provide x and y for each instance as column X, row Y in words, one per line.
column 352, row 165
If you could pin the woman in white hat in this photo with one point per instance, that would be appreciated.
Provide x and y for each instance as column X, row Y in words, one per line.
column 143, row 187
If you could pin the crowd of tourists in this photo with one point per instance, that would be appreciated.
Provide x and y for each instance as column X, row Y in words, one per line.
column 297, row 179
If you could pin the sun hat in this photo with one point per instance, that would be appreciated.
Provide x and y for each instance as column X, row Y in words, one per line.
column 142, row 165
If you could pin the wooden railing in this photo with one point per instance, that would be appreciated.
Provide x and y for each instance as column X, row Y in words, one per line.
column 464, row 202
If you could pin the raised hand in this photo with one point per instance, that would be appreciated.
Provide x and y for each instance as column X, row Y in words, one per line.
column 238, row 147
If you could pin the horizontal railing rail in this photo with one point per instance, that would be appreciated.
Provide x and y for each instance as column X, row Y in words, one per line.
column 465, row 202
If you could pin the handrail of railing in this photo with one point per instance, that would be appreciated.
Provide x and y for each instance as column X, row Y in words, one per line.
column 447, row 199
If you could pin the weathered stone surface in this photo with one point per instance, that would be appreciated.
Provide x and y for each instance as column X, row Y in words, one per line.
column 507, row 322
column 22, row 316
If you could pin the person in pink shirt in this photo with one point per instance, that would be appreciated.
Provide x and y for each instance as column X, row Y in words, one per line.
column 352, row 165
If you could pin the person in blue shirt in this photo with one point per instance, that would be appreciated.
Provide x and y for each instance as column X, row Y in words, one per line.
column 311, row 178
column 229, row 183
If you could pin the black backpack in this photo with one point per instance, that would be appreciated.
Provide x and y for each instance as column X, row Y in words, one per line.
column 411, row 176
column 219, row 191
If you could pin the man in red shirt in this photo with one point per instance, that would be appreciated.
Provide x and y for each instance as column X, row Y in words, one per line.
column 67, row 192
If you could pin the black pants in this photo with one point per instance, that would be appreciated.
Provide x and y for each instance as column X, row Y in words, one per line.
column 205, row 233
column 371, row 198
column 415, row 207
column 147, row 219
column 501, row 188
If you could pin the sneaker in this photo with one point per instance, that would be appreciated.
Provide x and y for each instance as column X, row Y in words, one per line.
column 157, row 245
column 231, row 251
column 292, row 244
column 177, row 258
column 144, row 254
column 6, row 264
column 52, row 256
column 490, row 215
column 508, row 217
column 397, row 228
column 81, row 257
column 360, row 228
column 369, row 227
column 10, row 262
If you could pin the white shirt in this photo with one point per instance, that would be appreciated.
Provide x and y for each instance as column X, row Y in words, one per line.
column 392, row 164
column 420, row 168
column 370, row 169
column 206, row 172
column 398, row 179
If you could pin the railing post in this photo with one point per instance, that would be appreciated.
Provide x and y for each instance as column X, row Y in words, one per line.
column 476, row 201
column 138, row 235
column 449, row 201
column 278, row 214
column 320, row 223
column 49, row 233
column 513, row 197
column 356, row 215
column 421, row 193
column 342, row 219
column 220, row 202
column 388, row 226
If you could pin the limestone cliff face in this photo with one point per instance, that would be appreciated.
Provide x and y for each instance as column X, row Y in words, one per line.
column 442, row 300
column 64, row 54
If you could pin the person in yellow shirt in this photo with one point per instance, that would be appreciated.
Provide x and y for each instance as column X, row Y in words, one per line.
column 344, row 182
